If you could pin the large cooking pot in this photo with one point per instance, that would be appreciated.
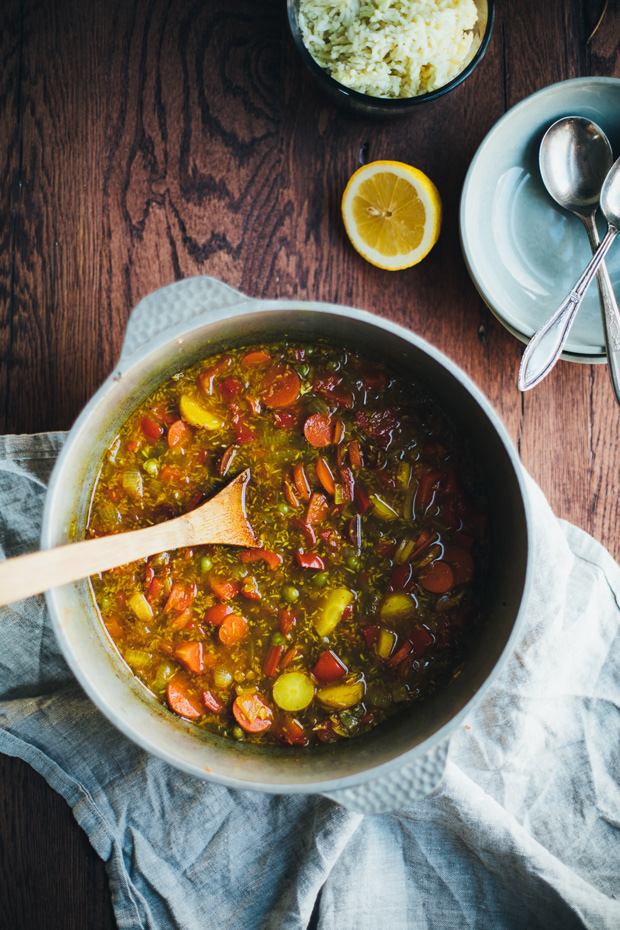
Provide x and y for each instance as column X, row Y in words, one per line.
column 396, row 762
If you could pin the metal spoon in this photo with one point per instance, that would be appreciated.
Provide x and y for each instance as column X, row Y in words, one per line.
column 223, row 519
column 575, row 157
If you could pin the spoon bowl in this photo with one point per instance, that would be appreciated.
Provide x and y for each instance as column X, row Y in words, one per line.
column 576, row 167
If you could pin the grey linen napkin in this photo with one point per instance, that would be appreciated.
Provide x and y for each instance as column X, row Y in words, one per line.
column 521, row 832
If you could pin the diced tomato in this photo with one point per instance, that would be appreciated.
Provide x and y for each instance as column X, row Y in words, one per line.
column 326, row 382
column 133, row 445
column 161, row 413
column 211, row 702
column 281, row 386
column 256, row 358
column 286, row 620
column 180, row 700
column 273, row 659
column 151, row 429
column 206, row 379
column 149, row 574
column 400, row 578
column 355, row 531
column 222, row 588
column 302, row 484
column 319, row 430
column 325, row 732
column 421, row 639
column 386, row 548
column 308, row 531
column 374, row 379
column 252, row 713
column 229, row 388
column 462, row 563
column 370, row 634
column 292, row 732
column 243, row 433
column 226, row 460
column 340, row 396
column 310, row 560
column 190, row 655
column 318, row 508
column 348, row 483
column 325, row 476
column 217, row 614
column 154, row 590
column 179, row 434
column 180, row 597
column 234, row 629
column 284, row 419
column 362, row 500
column 438, row 577
column 195, row 501
column 272, row 559
column 329, row 667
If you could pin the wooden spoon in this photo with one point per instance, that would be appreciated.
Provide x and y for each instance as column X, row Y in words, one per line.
column 222, row 519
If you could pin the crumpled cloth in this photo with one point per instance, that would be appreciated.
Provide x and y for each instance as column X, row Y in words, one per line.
column 522, row 831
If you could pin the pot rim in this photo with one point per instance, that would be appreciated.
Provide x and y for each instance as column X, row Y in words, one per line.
column 178, row 334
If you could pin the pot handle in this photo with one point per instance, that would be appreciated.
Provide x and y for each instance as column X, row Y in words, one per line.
column 397, row 789
column 174, row 304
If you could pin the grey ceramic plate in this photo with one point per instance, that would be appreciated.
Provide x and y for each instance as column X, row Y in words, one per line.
column 522, row 250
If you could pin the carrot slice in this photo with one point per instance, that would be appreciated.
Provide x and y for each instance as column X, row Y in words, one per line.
column 462, row 563
column 426, row 491
column 252, row 713
column 286, row 620
column 319, row 430
column 180, row 700
column 233, row 630
column 438, row 577
column 325, row 476
column 355, row 454
column 222, row 588
column 179, row 434
column 281, row 386
column 180, row 620
column 180, row 597
column 301, row 481
column 217, row 614
column 190, row 655
column 289, row 493
column 256, row 358
column 318, row 508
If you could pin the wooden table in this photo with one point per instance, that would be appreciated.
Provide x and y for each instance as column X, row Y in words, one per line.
column 146, row 142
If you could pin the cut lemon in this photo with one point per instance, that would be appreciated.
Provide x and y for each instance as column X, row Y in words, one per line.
column 392, row 214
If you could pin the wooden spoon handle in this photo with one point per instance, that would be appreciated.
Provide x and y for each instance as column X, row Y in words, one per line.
column 220, row 520
column 31, row 574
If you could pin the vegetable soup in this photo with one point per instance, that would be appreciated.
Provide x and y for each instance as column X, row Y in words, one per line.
column 366, row 589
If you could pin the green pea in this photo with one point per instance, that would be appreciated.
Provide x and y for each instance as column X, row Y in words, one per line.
column 320, row 579
column 283, row 508
column 206, row 564
column 278, row 640
column 105, row 604
column 290, row 593
column 353, row 561
column 151, row 467
column 238, row 733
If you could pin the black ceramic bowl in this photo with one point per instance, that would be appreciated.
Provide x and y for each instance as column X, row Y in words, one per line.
column 385, row 106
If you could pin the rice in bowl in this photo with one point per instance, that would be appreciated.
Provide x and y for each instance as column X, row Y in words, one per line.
column 389, row 48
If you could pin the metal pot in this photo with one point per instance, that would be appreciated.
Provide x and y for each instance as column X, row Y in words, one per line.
column 393, row 764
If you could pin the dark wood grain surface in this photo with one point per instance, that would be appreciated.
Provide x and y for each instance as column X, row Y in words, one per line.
column 142, row 141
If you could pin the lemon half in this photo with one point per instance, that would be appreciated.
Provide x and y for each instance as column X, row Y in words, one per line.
column 392, row 214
